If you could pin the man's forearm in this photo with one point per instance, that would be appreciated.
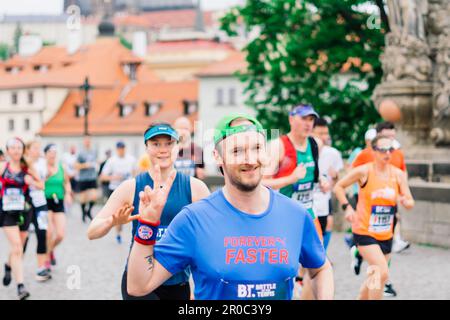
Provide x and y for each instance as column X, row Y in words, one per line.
column 277, row 183
column 323, row 283
column 140, row 269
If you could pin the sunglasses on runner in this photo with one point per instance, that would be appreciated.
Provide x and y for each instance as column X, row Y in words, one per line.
column 385, row 150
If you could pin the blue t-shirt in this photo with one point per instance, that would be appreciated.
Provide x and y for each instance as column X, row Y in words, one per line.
column 234, row 255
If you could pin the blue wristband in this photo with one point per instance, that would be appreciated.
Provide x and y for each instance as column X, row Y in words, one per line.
column 146, row 232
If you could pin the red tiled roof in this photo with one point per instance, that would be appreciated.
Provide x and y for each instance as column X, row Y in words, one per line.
column 235, row 62
column 175, row 19
column 101, row 62
column 104, row 117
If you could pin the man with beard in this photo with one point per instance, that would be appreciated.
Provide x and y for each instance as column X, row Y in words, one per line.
column 244, row 241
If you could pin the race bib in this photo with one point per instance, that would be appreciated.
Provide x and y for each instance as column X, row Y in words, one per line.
column 303, row 193
column 381, row 219
column 38, row 198
column 255, row 290
column 13, row 200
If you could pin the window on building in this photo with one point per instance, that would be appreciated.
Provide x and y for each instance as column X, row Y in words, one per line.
column 11, row 125
column 125, row 109
column 232, row 97
column 190, row 106
column 14, row 98
column 219, row 97
column 30, row 97
column 152, row 108
column 79, row 111
column 26, row 124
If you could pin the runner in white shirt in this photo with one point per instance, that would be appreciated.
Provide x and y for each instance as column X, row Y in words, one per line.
column 330, row 163
column 40, row 210
column 117, row 169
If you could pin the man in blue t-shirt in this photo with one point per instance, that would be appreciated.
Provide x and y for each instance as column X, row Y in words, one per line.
column 244, row 241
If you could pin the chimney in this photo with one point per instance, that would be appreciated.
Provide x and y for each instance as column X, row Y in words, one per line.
column 29, row 45
column 140, row 43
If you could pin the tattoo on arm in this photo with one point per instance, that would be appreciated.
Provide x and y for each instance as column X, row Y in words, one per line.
column 150, row 261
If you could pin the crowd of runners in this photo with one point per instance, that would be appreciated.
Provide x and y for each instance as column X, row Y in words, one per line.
column 264, row 233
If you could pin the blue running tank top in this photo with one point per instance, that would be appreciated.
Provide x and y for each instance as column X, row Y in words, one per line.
column 180, row 195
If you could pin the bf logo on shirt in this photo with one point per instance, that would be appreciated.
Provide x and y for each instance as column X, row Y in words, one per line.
column 145, row 232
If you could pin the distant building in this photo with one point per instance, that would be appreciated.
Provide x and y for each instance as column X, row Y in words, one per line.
column 221, row 93
column 182, row 59
column 40, row 95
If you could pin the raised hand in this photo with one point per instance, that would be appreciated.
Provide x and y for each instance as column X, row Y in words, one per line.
column 152, row 201
column 349, row 214
column 123, row 216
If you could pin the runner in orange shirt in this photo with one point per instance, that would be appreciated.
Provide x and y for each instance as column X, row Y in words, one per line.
column 397, row 160
column 381, row 186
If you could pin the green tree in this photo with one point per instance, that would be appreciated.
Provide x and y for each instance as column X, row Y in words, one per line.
column 4, row 51
column 125, row 42
column 322, row 52
column 17, row 34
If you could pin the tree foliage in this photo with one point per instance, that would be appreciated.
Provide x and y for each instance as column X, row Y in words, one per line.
column 4, row 51
column 301, row 54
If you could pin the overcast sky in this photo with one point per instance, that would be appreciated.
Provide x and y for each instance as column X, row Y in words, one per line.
column 19, row 7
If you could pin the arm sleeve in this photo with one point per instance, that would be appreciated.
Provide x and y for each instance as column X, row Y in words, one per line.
column 312, row 253
column 175, row 249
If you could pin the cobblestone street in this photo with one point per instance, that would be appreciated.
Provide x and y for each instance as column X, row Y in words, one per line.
column 419, row 273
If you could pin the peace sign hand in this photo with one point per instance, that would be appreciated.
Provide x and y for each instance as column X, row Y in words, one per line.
column 152, row 201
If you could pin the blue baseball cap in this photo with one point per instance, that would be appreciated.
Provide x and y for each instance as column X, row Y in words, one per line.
column 304, row 110
column 120, row 145
column 160, row 129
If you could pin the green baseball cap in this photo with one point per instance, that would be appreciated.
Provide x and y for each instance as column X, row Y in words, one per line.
column 223, row 128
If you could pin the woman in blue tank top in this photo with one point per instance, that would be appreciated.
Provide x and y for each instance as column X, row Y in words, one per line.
column 161, row 142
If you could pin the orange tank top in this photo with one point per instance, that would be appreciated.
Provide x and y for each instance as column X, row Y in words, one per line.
column 376, row 206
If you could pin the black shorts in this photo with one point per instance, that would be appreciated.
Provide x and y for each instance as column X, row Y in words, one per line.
column 363, row 240
column 180, row 291
column 74, row 184
column 86, row 185
column 55, row 206
column 23, row 220
column 323, row 224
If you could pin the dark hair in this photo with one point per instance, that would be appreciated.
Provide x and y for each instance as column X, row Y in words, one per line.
column 320, row 122
column 1, row 152
column 48, row 147
column 384, row 125
column 378, row 138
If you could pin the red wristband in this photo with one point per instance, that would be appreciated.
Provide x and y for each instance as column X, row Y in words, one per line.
column 146, row 232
